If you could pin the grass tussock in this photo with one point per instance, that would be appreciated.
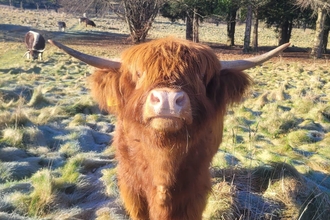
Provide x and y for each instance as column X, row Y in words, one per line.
column 49, row 114
column 301, row 137
column 78, row 119
column 221, row 203
column 42, row 196
column 275, row 191
column 17, row 117
column 38, row 99
column 70, row 149
column 4, row 173
column 278, row 123
column 70, row 171
column 110, row 180
column 84, row 105
column 13, row 137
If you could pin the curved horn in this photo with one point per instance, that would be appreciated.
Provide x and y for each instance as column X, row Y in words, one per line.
column 97, row 62
column 253, row 61
column 26, row 53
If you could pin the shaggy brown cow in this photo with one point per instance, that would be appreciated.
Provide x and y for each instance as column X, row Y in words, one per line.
column 170, row 97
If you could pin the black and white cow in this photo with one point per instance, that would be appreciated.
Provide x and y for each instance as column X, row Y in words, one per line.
column 61, row 25
column 35, row 44
column 87, row 21
column 82, row 20
column 90, row 22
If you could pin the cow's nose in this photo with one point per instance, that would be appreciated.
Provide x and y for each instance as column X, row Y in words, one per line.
column 168, row 102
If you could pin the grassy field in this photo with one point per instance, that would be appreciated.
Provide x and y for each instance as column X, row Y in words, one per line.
column 56, row 159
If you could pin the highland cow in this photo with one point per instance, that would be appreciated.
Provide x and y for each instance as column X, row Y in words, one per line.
column 170, row 97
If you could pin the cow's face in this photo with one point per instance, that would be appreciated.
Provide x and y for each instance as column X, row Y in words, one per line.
column 34, row 54
column 167, row 79
column 169, row 83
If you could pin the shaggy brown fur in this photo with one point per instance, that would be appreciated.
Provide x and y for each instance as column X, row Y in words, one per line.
column 164, row 174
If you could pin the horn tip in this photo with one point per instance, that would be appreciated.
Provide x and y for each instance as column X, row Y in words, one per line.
column 51, row 41
column 286, row 45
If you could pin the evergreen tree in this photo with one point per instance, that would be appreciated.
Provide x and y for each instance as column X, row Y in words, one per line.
column 191, row 11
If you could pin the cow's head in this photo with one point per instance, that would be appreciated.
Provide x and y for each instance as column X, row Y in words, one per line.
column 169, row 84
column 34, row 54
column 35, row 44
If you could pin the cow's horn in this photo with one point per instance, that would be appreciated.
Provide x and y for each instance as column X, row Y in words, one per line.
column 253, row 61
column 97, row 62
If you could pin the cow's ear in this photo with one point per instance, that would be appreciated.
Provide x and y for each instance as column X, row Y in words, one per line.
column 104, row 85
column 228, row 87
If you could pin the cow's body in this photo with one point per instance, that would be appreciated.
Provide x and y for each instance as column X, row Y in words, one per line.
column 87, row 22
column 82, row 20
column 35, row 44
column 164, row 155
column 61, row 25
column 170, row 97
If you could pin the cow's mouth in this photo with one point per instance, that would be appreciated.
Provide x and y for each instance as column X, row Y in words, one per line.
column 166, row 124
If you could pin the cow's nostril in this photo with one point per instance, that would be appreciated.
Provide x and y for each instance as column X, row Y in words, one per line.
column 180, row 100
column 154, row 99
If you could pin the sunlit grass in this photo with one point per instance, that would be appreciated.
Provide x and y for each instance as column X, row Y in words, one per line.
column 285, row 118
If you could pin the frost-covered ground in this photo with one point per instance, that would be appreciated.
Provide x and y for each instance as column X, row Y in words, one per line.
column 56, row 159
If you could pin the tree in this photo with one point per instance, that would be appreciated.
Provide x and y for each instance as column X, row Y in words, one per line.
column 191, row 11
column 247, row 35
column 281, row 14
column 139, row 15
column 320, row 7
column 256, row 5
column 326, row 34
column 175, row 10
column 228, row 10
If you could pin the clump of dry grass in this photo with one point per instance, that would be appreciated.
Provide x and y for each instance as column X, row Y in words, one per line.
column 70, row 171
column 274, row 191
column 301, row 137
column 84, row 105
column 221, row 203
column 49, row 114
column 16, row 117
column 70, row 148
column 276, row 122
column 42, row 196
column 38, row 100
column 13, row 137
column 78, row 119
column 110, row 181
column 324, row 114
column 4, row 173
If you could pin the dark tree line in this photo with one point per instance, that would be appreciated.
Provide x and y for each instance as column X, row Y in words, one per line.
column 282, row 14
column 140, row 14
column 34, row 4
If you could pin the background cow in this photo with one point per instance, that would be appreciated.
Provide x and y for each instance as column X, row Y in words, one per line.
column 88, row 22
column 61, row 25
column 82, row 20
column 35, row 44
column 170, row 97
